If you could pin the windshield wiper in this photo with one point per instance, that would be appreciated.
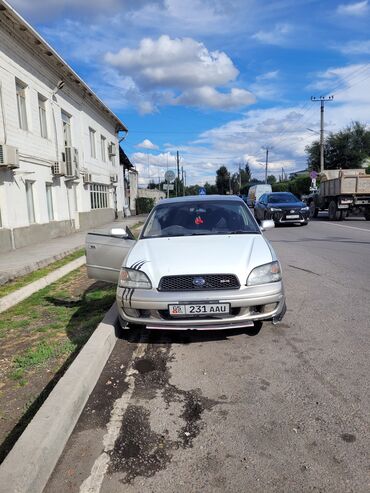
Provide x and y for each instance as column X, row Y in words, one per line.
column 241, row 232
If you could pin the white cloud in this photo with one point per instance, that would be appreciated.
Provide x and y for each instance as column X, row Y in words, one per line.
column 356, row 48
column 355, row 9
column 174, row 63
column 37, row 9
column 276, row 36
column 147, row 144
column 211, row 98
column 180, row 71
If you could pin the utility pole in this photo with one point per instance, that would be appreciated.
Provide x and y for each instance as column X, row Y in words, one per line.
column 182, row 180
column 267, row 149
column 322, row 100
column 178, row 173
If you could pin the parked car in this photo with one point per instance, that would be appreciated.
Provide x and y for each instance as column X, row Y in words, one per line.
column 200, row 263
column 255, row 192
column 282, row 208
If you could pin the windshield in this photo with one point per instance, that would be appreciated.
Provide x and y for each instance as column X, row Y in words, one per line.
column 282, row 198
column 200, row 218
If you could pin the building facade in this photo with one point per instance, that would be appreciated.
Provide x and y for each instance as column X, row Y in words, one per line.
column 59, row 161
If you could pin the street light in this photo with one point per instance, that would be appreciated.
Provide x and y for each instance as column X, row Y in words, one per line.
column 314, row 131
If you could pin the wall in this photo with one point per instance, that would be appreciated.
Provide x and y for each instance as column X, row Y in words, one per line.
column 157, row 195
column 71, row 199
column 92, row 219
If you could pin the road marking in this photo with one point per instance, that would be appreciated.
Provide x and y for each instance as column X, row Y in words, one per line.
column 93, row 483
column 343, row 226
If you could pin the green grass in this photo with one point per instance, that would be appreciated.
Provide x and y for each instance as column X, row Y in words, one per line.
column 20, row 282
column 38, row 356
column 56, row 321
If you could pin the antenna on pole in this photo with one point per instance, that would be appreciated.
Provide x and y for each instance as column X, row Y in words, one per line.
column 322, row 100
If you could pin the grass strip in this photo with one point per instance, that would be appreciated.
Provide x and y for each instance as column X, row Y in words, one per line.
column 22, row 281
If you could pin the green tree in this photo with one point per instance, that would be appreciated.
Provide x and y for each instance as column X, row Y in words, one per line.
column 346, row 149
column 222, row 180
column 271, row 179
column 245, row 175
column 235, row 183
column 210, row 189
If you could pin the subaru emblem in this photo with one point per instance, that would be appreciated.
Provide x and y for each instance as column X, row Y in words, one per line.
column 199, row 282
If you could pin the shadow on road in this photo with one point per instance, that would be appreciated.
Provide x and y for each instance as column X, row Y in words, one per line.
column 135, row 335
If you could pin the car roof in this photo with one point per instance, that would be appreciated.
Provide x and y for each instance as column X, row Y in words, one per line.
column 201, row 198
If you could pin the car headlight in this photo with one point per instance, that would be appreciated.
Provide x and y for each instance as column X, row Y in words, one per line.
column 264, row 274
column 305, row 208
column 135, row 279
column 275, row 209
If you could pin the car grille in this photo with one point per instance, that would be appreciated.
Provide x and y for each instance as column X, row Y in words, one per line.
column 185, row 283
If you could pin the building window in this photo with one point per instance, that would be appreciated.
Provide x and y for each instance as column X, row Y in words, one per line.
column 42, row 117
column 30, row 202
column 103, row 145
column 112, row 152
column 92, row 143
column 49, row 200
column 99, row 196
column 21, row 103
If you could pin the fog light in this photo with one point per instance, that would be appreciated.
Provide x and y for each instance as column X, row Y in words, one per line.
column 131, row 312
column 269, row 308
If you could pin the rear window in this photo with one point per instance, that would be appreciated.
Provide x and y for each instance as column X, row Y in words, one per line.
column 200, row 218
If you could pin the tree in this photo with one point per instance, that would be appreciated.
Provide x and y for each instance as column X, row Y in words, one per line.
column 245, row 175
column 271, row 179
column 235, row 183
column 210, row 189
column 222, row 180
column 346, row 149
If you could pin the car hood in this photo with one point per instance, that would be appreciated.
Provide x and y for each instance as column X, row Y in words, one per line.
column 214, row 254
column 289, row 205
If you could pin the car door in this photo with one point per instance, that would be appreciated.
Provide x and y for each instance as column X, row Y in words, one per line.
column 105, row 254
column 258, row 206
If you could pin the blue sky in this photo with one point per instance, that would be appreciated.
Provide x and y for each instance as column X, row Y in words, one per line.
column 217, row 80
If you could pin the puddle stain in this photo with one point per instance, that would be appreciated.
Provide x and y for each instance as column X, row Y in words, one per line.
column 348, row 437
column 140, row 451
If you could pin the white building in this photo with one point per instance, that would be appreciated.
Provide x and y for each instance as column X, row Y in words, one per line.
column 59, row 159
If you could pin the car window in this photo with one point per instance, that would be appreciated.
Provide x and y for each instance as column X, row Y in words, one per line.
column 281, row 198
column 192, row 218
column 262, row 199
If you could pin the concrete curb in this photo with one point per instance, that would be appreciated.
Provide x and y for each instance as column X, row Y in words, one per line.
column 30, row 463
column 32, row 266
column 23, row 293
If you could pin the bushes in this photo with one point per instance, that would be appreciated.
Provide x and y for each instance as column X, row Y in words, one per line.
column 282, row 186
column 144, row 205
column 298, row 186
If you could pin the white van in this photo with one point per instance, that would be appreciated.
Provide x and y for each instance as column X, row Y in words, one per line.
column 255, row 192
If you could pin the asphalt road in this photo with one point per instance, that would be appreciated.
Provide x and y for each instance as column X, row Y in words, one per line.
column 285, row 409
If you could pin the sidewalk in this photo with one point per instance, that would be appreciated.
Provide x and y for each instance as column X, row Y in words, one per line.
column 24, row 260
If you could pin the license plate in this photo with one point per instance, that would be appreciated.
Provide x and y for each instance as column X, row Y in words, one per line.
column 199, row 309
column 290, row 216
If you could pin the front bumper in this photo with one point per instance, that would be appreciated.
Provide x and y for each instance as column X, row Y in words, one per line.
column 248, row 304
column 280, row 217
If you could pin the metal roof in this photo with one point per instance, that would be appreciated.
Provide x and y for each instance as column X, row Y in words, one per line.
column 53, row 59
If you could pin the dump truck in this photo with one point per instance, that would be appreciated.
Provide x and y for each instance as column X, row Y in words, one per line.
column 341, row 192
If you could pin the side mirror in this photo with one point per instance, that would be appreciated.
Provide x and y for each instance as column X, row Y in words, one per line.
column 118, row 232
column 267, row 224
